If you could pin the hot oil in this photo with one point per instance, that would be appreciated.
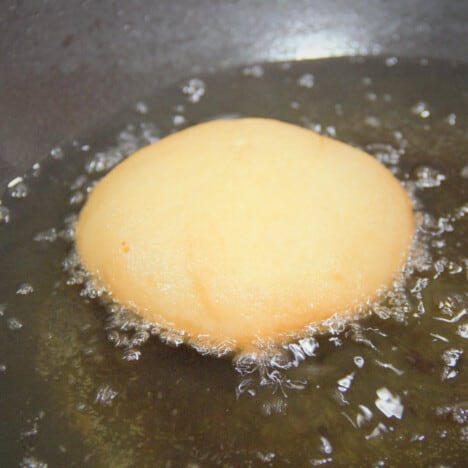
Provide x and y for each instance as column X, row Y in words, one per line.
column 95, row 387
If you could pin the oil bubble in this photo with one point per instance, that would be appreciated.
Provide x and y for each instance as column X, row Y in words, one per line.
column 359, row 361
column 105, row 395
column 79, row 182
column 344, row 384
column 391, row 61
column 77, row 198
column 17, row 188
column 325, row 446
column 48, row 235
column 451, row 358
column 24, row 289
column 178, row 119
column 389, row 404
column 4, row 214
column 457, row 412
column 194, row 89
column 57, row 153
column 32, row 462
column 387, row 365
column 428, row 177
column 330, row 130
column 364, row 416
column 464, row 434
column 372, row 121
column 451, row 119
column 385, row 153
column 463, row 330
column 306, row 81
column 380, row 429
column 131, row 355
column 101, row 162
column 141, row 107
column 255, row 71
column 14, row 324
column 320, row 461
column 339, row 109
column 266, row 457
column 36, row 169
column 421, row 109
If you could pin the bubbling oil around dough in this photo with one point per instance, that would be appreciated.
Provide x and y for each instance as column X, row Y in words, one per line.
column 350, row 362
column 281, row 259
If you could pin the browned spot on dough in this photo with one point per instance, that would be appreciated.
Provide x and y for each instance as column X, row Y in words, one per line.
column 125, row 247
column 202, row 293
column 338, row 277
column 198, row 285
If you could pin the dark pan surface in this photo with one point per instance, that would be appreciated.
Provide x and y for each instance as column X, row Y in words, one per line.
column 66, row 66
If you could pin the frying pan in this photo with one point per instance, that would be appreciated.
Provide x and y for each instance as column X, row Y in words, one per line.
column 66, row 67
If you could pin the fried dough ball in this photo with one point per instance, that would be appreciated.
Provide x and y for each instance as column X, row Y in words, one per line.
column 245, row 230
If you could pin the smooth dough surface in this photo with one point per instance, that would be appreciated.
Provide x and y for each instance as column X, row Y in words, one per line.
column 245, row 229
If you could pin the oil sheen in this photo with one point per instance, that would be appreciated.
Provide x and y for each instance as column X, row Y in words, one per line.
column 90, row 384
